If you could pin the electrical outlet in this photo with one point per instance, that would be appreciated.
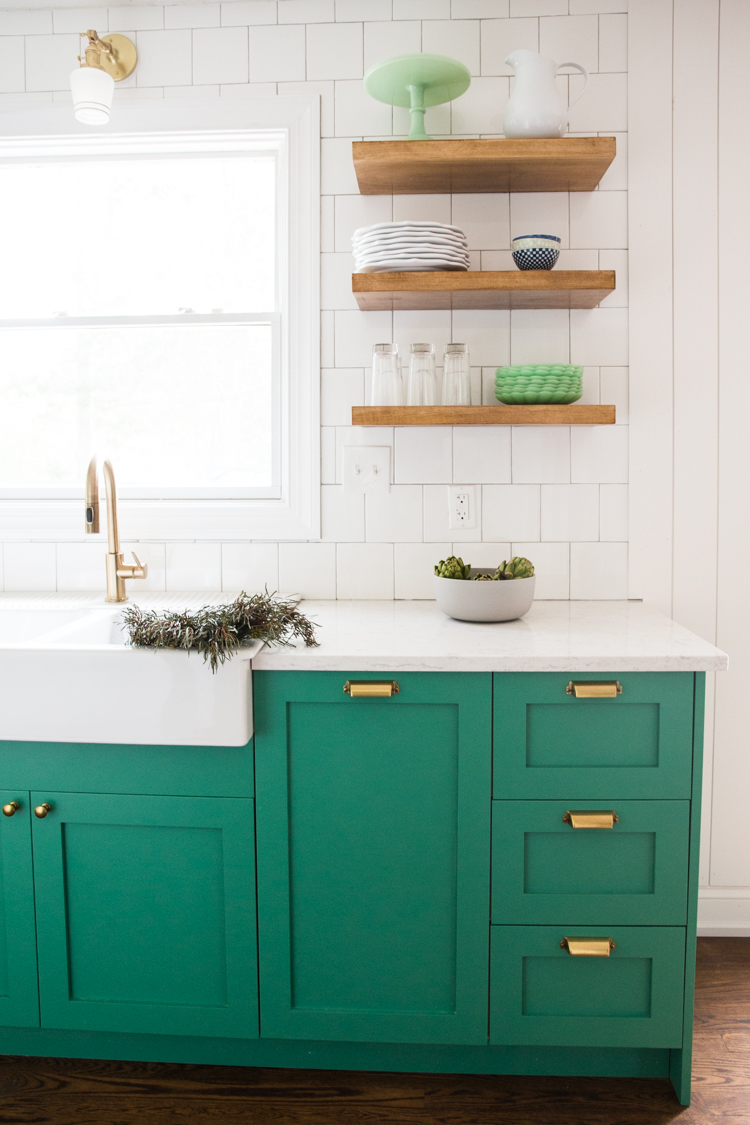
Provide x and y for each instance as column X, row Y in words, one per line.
column 367, row 468
column 462, row 507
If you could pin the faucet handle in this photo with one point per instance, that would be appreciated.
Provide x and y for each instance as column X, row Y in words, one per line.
column 140, row 570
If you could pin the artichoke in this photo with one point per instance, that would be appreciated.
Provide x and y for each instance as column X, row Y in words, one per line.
column 484, row 578
column 452, row 568
column 515, row 568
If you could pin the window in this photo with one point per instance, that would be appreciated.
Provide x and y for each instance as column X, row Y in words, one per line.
column 157, row 306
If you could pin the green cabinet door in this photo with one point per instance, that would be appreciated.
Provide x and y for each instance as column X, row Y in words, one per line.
column 552, row 744
column 542, row 995
column 146, row 914
column 373, row 819
column 635, row 873
column 19, row 998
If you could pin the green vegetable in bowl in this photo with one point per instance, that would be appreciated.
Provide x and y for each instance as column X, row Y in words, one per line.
column 452, row 568
column 517, row 567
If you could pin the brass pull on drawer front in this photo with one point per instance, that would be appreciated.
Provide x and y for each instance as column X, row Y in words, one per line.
column 594, row 689
column 591, row 818
column 588, row 946
column 371, row 689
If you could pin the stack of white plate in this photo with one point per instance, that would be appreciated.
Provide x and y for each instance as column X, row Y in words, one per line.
column 390, row 247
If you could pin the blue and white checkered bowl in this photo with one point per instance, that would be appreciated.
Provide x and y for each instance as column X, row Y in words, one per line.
column 536, row 251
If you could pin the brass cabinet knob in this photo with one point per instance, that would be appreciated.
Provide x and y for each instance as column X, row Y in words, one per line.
column 11, row 808
column 42, row 810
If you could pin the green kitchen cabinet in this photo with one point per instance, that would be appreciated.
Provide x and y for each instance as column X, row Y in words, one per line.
column 19, row 997
column 634, row 873
column 373, row 828
column 145, row 914
column 548, row 743
column 544, row 996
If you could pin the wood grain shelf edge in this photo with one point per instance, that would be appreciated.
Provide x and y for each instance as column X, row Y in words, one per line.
column 500, row 415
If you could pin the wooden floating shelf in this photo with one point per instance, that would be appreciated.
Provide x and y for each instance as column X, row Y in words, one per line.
column 522, row 164
column 483, row 289
column 500, row 415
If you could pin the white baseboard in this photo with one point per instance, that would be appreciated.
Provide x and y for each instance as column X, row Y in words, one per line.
column 724, row 912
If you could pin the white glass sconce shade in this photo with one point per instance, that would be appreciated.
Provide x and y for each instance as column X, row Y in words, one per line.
column 92, row 95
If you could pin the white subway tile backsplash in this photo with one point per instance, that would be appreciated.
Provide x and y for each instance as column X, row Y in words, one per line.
column 356, row 114
column 355, row 211
column 252, row 567
column 25, row 22
column 581, row 7
column 327, row 229
column 481, row 108
column 395, row 516
column 384, row 40
column 12, row 64
column 436, row 517
column 326, row 92
column 483, row 554
column 599, row 454
column 364, row 571
column 327, row 455
column 484, row 219
column 599, row 219
column 342, row 514
column 563, row 37
column 599, row 337
column 590, row 394
column 308, row 569
column 337, row 175
column 192, row 15
column 613, row 42
column 421, row 9
column 248, row 12
column 613, row 513
column 80, row 566
column 510, row 511
column 361, row 435
column 141, row 18
column 356, row 332
column 165, row 58
column 415, row 569
column 193, row 566
column 153, row 555
column 354, row 10
column 340, row 390
column 220, row 55
column 598, row 570
column 539, row 336
column 428, row 326
column 540, row 212
column 30, row 566
column 570, row 511
column 78, row 19
column 248, row 89
column 422, row 208
column 50, row 59
column 501, row 36
column 541, row 454
column 604, row 106
column 423, row 455
column 336, row 282
column 538, row 7
column 614, row 390
column 334, row 50
column 479, row 9
column 481, row 454
column 459, row 39
column 277, row 54
column 306, row 11
column 487, row 333
column 551, row 566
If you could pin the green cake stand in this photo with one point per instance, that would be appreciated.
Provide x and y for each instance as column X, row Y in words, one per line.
column 417, row 82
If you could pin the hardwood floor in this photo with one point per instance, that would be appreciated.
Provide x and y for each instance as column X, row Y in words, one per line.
column 76, row 1092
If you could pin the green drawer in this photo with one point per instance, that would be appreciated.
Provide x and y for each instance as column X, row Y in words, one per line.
column 632, row 874
column 540, row 995
column 551, row 744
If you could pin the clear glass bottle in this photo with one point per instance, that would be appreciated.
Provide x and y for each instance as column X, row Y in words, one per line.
column 387, row 385
column 456, row 376
column 422, row 385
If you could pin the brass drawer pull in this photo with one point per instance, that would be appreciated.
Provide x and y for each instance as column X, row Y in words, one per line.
column 588, row 946
column 11, row 808
column 594, row 689
column 591, row 818
column 371, row 689
column 42, row 810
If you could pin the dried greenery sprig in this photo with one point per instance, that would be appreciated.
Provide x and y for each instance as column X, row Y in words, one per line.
column 218, row 631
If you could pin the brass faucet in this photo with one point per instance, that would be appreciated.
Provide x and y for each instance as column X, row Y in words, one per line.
column 117, row 570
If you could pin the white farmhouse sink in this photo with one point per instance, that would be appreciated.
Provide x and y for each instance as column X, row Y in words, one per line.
column 68, row 675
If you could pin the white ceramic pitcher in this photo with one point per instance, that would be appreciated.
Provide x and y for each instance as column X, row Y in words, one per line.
column 536, row 108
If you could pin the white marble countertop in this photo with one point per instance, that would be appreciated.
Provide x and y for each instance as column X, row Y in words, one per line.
column 376, row 636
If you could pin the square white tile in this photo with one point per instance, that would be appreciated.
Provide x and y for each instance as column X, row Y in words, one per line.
column 248, row 12
column 599, row 219
column 193, row 566
column 80, row 566
column 599, row 454
column 614, row 390
column 306, row 11
column 551, row 566
column 539, row 336
column 456, row 38
column 355, row 211
column 220, row 55
column 481, row 454
column 421, row 9
column 501, row 36
column 383, row 40
column 422, row 208
column 339, row 392
column 423, row 455
column 613, row 513
column 481, row 108
column 30, row 566
column 139, row 18
column 598, row 570
column 334, row 50
column 252, row 567
column 336, row 282
column 540, row 212
column 364, row 571
column 50, row 59
column 604, row 106
column 337, row 175
column 613, row 42
column 538, row 7
column 570, row 511
column 599, row 337
column 484, row 219
column 415, row 569
column 355, row 334
column 510, row 511
column 342, row 514
column 192, row 15
column 395, row 516
column 308, row 569
column 541, row 454
column 165, row 58
column 152, row 555
column 356, row 114
column 487, row 332
column 277, row 54
column 12, row 64
column 354, row 10
column 570, row 37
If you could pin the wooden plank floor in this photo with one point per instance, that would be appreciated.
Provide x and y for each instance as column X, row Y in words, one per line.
column 71, row 1092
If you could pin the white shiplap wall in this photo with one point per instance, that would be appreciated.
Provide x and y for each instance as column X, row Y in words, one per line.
column 556, row 494
column 690, row 393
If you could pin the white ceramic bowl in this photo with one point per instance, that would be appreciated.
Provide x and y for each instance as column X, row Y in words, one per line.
column 484, row 601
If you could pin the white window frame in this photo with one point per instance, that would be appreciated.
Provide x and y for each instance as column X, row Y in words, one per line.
column 295, row 515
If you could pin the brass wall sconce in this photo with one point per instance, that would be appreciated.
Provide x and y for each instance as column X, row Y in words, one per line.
column 106, row 60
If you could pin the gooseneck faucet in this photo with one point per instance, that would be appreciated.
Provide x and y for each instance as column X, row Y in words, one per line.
column 117, row 570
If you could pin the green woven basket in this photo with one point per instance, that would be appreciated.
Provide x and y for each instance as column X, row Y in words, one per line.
column 538, row 384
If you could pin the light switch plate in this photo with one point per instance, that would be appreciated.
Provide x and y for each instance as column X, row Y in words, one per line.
column 462, row 507
column 367, row 468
